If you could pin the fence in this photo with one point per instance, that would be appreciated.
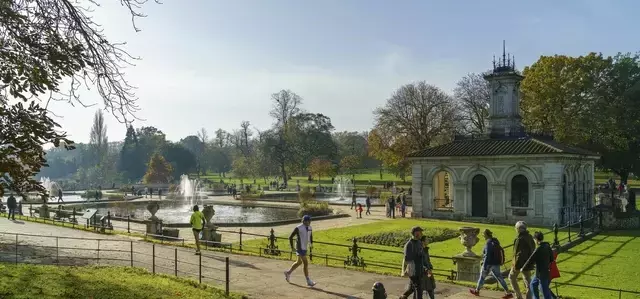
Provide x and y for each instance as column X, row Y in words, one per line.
column 56, row 250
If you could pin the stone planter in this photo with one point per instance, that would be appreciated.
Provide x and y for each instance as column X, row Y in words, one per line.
column 468, row 239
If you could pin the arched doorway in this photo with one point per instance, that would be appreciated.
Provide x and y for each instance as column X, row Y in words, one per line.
column 443, row 191
column 519, row 195
column 479, row 196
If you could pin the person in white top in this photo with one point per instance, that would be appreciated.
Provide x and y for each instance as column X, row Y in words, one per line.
column 304, row 241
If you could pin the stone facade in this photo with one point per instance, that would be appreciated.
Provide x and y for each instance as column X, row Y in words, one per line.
column 546, row 177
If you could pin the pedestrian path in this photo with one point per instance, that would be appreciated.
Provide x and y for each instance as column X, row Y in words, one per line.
column 257, row 277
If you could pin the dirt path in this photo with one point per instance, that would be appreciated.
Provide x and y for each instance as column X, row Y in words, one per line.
column 257, row 277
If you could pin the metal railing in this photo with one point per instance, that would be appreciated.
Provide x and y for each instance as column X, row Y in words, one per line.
column 58, row 250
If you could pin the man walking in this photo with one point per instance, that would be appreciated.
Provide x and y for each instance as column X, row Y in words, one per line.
column 367, row 202
column 197, row 223
column 523, row 247
column 60, row 195
column 412, row 264
column 11, row 206
column 493, row 258
column 353, row 199
column 304, row 242
column 392, row 206
column 542, row 257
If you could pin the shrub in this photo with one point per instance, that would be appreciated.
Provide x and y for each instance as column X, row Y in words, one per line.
column 399, row 238
column 306, row 194
column 314, row 208
column 92, row 194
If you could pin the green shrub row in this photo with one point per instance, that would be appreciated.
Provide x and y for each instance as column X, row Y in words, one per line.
column 399, row 238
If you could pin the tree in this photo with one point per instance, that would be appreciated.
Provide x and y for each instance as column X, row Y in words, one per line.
column 588, row 101
column 196, row 145
column 181, row 159
column 45, row 44
column 320, row 168
column 391, row 150
column 350, row 164
column 221, row 139
column 243, row 167
column 130, row 162
column 421, row 114
column 286, row 105
column 217, row 160
column 309, row 137
column 98, row 139
column 159, row 170
column 473, row 94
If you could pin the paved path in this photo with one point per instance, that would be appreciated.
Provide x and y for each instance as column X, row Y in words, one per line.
column 258, row 277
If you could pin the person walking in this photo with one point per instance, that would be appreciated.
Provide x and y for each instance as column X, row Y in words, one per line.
column 392, row 207
column 197, row 223
column 493, row 258
column 403, row 204
column 429, row 281
column 554, row 272
column 523, row 247
column 359, row 210
column 12, row 204
column 60, row 195
column 413, row 264
column 353, row 199
column 304, row 242
column 367, row 203
column 542, row 257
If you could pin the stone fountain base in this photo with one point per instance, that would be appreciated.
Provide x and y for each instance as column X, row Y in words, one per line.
column 154, row 226
column 467, row 267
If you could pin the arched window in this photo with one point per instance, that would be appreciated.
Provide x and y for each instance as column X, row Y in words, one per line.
column 443, row 199
column 519, row 191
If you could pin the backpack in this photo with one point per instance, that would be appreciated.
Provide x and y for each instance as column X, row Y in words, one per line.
column 498, row 253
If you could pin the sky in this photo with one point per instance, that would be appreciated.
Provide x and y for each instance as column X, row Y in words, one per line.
column 212, row 64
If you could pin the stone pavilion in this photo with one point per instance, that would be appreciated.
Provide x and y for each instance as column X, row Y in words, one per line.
column 505, row 174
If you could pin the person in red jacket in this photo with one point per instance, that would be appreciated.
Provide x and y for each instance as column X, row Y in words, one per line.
column 554, row 271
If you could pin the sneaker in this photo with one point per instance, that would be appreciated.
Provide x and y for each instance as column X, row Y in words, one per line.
column 287, row 276
column 474, row 292
column 310, row 282
column 507, row 296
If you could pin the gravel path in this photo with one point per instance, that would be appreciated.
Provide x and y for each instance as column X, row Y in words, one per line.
column 257, row 277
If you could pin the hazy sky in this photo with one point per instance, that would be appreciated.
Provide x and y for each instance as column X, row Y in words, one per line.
column 212, row 64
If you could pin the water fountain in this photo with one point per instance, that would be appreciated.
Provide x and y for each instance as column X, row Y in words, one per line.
column 342, row 186
column 189, row 189
column 50, row 186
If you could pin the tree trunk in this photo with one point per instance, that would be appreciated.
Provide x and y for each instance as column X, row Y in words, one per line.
column 381, row 173
column 284, row 174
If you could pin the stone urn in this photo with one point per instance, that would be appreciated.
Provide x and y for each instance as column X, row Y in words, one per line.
column 153, row 208
column 208, row 213
column 468, row 239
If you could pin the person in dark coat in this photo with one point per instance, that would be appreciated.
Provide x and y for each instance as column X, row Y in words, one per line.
column 491, row 264
column 429, row 281
column 542, row 257
column 12, row 204
column 413, row 264
column 523, row 247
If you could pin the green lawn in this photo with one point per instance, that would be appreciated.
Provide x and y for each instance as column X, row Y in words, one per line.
column 37, row 281
column 608, row 260
column 387, row 262
column 362, row 179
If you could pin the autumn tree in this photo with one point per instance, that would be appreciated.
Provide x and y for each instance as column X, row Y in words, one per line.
column 472, row 94
column 49, row 49
column 158, row 171
column 98, row 139
column 320, row 167
column 589, row 101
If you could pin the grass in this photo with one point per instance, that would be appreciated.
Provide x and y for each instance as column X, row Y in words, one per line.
column 389, row 259
column 362, row 179
column 38, row 281
column 608, row 260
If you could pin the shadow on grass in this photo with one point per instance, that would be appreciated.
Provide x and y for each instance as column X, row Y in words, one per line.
column 602, row 258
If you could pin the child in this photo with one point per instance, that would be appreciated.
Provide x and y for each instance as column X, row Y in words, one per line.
column 359, row 210
column 554, row 271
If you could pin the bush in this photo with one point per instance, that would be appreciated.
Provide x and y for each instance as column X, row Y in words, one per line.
column 399, row 238
column 314, row 208
column 306, row 194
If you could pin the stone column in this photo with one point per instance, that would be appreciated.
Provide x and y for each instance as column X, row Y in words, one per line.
column 460, row 199
column 498, row 203
column 416, row 186
column 552, row 192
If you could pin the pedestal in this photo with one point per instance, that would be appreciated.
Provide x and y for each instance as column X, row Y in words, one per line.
column 44, row 211
column 154, row 226
column 209, row 234
column 467, row 267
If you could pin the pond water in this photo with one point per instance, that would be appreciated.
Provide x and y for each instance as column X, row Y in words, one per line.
column 180, row 212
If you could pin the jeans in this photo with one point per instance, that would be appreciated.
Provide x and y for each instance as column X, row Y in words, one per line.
column 513, row 277
column 495, row 270
column 542, row 283
column 414, row 287
column 12, row 213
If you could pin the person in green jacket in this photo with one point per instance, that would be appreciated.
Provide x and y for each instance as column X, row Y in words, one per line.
column 197, row 223
column 523, row 247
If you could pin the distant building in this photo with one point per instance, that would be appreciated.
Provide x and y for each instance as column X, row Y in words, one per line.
column 506, row 174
